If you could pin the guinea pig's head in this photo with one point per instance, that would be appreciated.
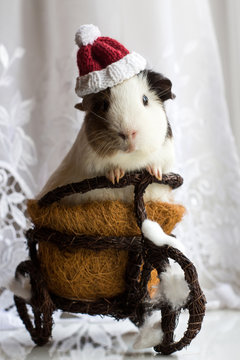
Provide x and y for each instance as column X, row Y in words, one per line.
column 129, row 117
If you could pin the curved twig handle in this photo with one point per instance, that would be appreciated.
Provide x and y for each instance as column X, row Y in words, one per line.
column 171, row 179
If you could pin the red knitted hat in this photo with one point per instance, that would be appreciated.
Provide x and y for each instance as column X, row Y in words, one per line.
column 103, row 62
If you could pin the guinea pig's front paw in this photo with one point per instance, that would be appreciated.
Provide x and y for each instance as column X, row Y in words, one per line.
column 155, row 171
column 115, row 174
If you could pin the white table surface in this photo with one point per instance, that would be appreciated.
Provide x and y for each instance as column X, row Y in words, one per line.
column 219, row 339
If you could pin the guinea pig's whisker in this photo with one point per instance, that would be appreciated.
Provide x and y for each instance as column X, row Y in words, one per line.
column 109, row 148
column 93, row 139
column 96, row 134
column 101, row 150
column 104, row 149
column 104, row 146
column 165, row 91
column 92, row 112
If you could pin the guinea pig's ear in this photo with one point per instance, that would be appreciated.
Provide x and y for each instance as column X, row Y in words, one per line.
column 161, row 85
column 85, row 105
column 79, row 106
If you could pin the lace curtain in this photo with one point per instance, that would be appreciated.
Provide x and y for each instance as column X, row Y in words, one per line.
column 38, row 122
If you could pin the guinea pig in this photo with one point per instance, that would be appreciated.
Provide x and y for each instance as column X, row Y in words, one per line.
column 125, row 129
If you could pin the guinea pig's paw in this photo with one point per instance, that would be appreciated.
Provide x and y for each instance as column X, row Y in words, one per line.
column 114, row 175
column 155, row 171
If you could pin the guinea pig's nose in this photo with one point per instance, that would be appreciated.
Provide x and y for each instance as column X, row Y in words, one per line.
column 128, row 135
column 133, row 134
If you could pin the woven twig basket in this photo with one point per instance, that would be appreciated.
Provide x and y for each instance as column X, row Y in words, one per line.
column 119, row 264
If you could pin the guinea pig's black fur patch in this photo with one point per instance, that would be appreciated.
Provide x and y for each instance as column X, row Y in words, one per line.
column 169, row 130
column 161, row 85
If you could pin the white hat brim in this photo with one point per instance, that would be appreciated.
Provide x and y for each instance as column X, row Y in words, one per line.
column 112, row 75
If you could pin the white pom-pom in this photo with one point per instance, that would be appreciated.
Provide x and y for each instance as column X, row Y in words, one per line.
column 153, row 231
column 87, row 34
column 150, row 333
column 174, row 286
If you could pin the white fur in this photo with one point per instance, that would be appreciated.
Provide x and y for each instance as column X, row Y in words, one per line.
column 150, row 334
column 153, row 231
column 126, row 113
column 20, row 287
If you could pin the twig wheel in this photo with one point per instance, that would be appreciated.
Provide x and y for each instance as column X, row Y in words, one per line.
column 41, row 304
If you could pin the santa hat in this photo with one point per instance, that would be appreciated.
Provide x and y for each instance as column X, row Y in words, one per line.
column 103, row 62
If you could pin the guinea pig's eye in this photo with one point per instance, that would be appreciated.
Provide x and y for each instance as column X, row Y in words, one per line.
column 105, row 105
column 145, row 100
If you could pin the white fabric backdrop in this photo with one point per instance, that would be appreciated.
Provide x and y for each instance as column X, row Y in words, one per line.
column 38, row 122
column 226, row 20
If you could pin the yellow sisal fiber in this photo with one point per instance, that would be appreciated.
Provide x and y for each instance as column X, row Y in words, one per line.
column 85, row 274
column 107, row 218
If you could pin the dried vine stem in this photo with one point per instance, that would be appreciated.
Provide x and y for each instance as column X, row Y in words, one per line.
column 173, row 180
